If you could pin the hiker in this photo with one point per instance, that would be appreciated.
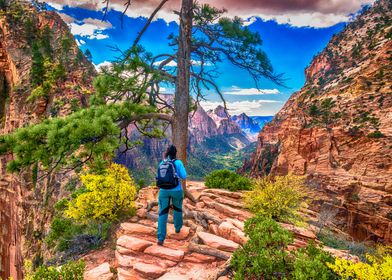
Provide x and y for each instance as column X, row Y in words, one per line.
column 170, row 171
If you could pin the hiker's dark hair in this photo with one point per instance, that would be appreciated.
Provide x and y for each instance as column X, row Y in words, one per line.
column 171, row 152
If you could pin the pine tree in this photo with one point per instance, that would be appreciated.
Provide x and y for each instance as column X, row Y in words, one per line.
column 37, row 67
column 88, row 55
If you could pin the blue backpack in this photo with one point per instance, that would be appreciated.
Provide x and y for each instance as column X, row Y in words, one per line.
column 167, row 177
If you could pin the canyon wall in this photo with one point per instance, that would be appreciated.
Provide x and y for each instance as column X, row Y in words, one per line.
column 26, row 206
column 337, row 130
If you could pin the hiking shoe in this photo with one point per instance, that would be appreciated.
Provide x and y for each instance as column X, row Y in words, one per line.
column 160, row 242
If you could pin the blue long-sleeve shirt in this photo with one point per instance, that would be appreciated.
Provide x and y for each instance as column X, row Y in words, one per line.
column 181, row 172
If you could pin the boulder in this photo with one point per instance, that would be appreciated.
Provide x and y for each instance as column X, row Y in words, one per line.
column 149, row 270
column 217, row 242
column 101, row 272
column 165, row 253
column 229, row 231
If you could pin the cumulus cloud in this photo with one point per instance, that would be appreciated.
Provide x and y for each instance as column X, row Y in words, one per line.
column 250, row 91
column 318, row 13
column 90, row 28
column 101, row 65
column 249, row 107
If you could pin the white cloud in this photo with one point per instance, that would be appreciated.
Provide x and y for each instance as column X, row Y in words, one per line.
column 174, row 63
column 249, row 107
column 299, row 13
column 99, row 36
column 90, row 28
column 170, row 64
column 99, row 66
column 250, row 91
column 250, row 21
column 80, row 42
column 316, row 19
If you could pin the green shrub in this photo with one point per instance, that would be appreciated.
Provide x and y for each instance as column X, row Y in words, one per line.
column 377, row 266
column 279, row 198
column 225, row 179
column 70, row 271
column 311, row 263
column 265, row 255
column 376, row 134
column 106, row 198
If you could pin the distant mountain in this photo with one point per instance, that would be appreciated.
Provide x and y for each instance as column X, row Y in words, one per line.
column 251, row 126
column 212, row 135
column 262, row 120
column 247, row 123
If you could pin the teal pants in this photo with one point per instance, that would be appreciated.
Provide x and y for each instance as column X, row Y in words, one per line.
column 165, row 199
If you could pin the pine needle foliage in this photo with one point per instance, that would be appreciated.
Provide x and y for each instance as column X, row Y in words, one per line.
column 87, row 136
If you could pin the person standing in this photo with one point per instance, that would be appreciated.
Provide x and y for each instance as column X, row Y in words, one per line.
column 170, row 172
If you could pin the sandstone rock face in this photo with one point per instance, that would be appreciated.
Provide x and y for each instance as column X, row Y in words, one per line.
column 21, row 207
column 337, row 130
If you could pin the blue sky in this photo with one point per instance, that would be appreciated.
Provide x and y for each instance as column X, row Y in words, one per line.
column 290, row 43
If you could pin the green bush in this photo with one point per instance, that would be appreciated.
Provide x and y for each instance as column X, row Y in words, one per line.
column 279, row 198
column 70, row 271
column 265, row 255
column 311, row 263
column 376, row 134
column 225, row 179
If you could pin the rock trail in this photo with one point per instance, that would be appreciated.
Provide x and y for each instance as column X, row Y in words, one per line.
column 212, row 231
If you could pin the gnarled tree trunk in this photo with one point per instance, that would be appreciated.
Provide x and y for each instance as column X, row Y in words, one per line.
column 182, row 94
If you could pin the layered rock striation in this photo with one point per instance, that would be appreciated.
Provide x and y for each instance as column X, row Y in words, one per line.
column 26, row 206
column 337, row 129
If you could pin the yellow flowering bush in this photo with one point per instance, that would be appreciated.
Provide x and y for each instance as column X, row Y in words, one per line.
column 105, row 197
column 278, row 198
column 378, row 267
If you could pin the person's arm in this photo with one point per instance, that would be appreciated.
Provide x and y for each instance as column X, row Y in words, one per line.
column 181, row 172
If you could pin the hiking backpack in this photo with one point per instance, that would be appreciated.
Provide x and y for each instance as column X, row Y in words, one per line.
column 167, row 176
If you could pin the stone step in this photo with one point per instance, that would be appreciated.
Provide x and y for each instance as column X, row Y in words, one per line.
column 133, row 228
column 217, row 242
column 199, row 258
column 128, row 274
column 133, row 243
column 149, row 270
column 165, row 253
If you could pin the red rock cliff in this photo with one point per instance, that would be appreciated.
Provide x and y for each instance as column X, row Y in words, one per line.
column 25, row 207
column 338, row 128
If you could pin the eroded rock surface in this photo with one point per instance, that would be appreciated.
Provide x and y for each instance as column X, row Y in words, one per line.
column 199, row 251
column 337, row 129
